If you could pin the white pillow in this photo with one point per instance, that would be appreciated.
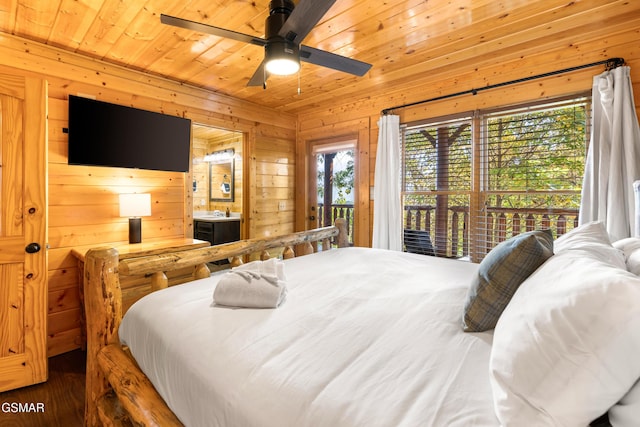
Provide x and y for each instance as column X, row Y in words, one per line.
column 591, row 237
column 626, row 413
column 631, row 249
column 566, row 347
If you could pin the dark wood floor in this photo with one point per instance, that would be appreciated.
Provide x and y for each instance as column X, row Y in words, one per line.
column 62, row 396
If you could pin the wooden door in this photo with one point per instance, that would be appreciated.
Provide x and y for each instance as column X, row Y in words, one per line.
column 23, row 231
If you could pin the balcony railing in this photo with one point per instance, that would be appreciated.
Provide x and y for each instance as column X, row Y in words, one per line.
column 457, row 240
column 494, row 226
column 337, row 211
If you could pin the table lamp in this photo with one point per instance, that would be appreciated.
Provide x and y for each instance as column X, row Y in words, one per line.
column 135, row 206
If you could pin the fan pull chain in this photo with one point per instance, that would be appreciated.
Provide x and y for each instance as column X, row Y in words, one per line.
column 299, row 81
column 264, row 78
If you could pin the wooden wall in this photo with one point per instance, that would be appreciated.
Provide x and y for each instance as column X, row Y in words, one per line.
column 200, row 174
column 568, row 50
column 274, row 182
column 83, row 209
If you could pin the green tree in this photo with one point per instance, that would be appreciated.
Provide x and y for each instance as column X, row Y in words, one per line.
column 343, row 179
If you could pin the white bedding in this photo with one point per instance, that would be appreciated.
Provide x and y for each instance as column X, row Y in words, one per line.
column 365, row 337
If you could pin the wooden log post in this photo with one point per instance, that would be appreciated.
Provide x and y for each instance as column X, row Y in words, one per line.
column 326, row 244
column 562, row 225
column 288, row 253
column 306, row 248
column 343, row 237
column 136, row 394
column 159, row 281
column 103, row 305
column 201, row 271
column 516, row 224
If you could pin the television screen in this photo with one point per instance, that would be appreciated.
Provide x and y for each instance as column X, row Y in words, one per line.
column 104, row 134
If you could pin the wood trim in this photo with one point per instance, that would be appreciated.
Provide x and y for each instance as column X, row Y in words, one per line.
column 358, row 130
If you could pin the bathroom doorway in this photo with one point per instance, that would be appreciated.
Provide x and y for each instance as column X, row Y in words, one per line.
column 217, row 170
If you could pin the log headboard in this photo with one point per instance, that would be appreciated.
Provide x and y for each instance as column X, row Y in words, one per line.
column 117, row 392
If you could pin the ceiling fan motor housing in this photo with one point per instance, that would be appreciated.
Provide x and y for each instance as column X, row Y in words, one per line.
column 278, row 46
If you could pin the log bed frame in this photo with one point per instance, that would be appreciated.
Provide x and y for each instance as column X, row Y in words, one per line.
column 117, row 392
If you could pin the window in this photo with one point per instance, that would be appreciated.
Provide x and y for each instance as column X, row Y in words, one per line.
column 437, row 170
column 472, row 181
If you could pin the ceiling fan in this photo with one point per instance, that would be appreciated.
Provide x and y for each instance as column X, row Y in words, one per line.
column 285, row 28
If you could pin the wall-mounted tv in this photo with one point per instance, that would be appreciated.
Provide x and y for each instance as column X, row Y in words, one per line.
column 104, row 134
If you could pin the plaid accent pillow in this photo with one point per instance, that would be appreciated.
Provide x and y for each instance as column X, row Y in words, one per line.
column 500, row 273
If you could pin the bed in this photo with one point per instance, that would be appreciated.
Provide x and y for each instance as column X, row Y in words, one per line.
column 370, row 337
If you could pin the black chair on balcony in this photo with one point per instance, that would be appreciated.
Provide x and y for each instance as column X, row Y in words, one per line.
column 418, row 242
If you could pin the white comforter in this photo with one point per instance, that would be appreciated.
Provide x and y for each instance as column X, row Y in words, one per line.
column 365, row 337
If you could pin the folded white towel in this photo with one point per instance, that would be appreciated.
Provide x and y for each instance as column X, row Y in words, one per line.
column 258, row 284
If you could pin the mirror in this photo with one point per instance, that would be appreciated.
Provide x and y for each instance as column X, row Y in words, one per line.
column 221, row 185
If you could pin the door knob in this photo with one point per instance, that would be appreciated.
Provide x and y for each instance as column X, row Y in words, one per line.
column 32, row 248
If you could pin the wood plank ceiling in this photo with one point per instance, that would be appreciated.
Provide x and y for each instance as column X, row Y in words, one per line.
column 403, row 39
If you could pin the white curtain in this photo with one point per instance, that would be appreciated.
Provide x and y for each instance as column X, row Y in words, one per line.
column 613, row 159
column 387, row 218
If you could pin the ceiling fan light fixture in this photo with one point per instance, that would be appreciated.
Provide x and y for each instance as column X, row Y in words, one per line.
column 282, row 58
column 282, row 67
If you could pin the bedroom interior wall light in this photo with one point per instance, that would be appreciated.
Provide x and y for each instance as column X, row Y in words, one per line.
column 135, row 206
column 282, row 58
column 219, row 156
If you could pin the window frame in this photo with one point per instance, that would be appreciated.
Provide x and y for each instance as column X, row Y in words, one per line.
column 479, row 190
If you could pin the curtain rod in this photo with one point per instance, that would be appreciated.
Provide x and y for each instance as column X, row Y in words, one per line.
column 611, row 63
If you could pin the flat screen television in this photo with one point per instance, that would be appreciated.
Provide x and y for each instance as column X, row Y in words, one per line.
column 104, row 134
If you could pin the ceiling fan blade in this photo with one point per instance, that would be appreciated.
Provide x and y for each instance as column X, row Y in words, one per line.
column 210, row 29
column 331, row 60
column 304, row 17
column 260, row 77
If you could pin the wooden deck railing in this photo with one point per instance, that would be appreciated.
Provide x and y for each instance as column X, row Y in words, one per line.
column 338, row 211
column 496, row 225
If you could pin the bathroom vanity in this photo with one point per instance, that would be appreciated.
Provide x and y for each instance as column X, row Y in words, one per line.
column 216, row 228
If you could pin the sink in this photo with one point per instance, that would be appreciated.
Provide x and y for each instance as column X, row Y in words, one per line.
column 232, row 217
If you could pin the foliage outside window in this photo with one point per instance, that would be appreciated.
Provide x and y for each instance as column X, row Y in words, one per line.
column 472, row 182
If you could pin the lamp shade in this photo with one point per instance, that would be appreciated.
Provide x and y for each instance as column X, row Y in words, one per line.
column 282, row 58
column 135, row 205
column 282, row 66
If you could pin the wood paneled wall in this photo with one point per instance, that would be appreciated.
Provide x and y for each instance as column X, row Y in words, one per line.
column 200, row 174
column 275, row 181
column 83, row 202
column 349, row 115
